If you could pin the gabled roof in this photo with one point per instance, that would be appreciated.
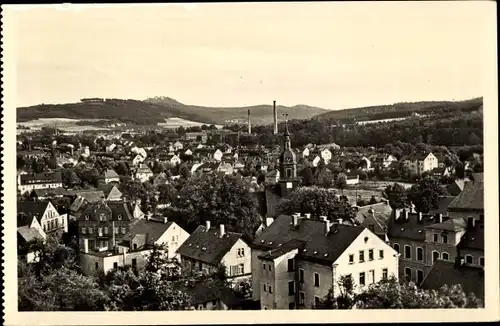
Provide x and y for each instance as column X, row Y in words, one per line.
column 209, row 290
column 109, row 173
column 473, row 238
column 118, row 211
column 455, row 224
column 26, row 209
column 50, row 192
column 419, row 156
column 456, row 187
column 283, row 249
column 152, row 230
column 447, row 273
column 471, row 197
column 208, row 247
column 29, row 234
column 318, row 247
column 411, row 228
column 107, row 188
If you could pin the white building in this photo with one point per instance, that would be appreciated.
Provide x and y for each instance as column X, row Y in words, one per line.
column 29, row 182
column 421, row 162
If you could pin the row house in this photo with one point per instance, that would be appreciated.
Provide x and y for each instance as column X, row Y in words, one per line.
column 135, row 246
column 297, row 260
column 28, row 182
column 103, row 224
column 46, row 214
column 208, row 248
column 419, row 163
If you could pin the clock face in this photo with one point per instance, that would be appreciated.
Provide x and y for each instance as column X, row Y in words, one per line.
column 288, row 159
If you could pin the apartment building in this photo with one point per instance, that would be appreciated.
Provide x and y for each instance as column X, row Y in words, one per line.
column 28, row 182
column 419, row 163
column 296, row 261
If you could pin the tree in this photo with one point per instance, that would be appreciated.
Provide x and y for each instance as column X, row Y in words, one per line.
column 460, row 170
column 397, row 196
column 221, row 199
column 184, row 171
column 341, row 182
column 317, row 202
column 69, row 178
column 307, row 176
column 425, row 194
column 168, row 193
column 122, row 169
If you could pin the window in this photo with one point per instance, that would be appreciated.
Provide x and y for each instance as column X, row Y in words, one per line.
column 362, row 278
column 407, row 252
column 90, row 230
column 316, row 279
column 435, row 237
column 135, row 246
column 241, row 269
column 124, row 230
column 83, row 230
column 99, row 230
column 435, row 256
column 116, row 230
column 361, row 256
column 270, row 289
column 396, row 247
column 119, row 217
column 241, row 252
column 205, row 305
column 385, row 273
column 291, row 305
column 444, row 237
column 372, row 276
column 370, row 254
column 214, row 302
column 102, row 217
column 301, row 276
column 96, row 265
column 468, row 259
column 105, row 230
column 290, row 265
column 115, row 265
column 420, row 276
column 264, row 266
column 87, row 217
column 408, row 273
column 381, row 254
column 134, row 262
column 420, row 254
column 269, row 267
column 265, row 287
column 481, row 261
column 351, row 259
column 288, row 173
column 302, row 298
column 291, row 288
column 445, row 256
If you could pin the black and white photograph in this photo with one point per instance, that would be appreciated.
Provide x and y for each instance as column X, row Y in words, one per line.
column 320, row 156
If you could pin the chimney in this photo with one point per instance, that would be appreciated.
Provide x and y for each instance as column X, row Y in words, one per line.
column 86, row 246
column 307, row 215
column 406, row 214
column 149, row 216
column 165, row 219
column 340, row 221
column 440, row 217
column 295, row 219
column 459, row 261
column 207, row 225
column 420, row 216
column 222, row 230
column 323, row 218
column 249, row 123
column 275, row 114
column 471, row 223
column 397, row 213
column 269, row 221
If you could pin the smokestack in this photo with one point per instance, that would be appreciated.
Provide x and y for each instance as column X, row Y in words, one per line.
column 275, row 113
column 249, row 123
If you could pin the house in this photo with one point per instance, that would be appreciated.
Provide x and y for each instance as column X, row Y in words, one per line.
column 450, row 273
column 212, row 295
column 419, row 163
column 207, row 248
column 139, row 151
column 25, row 234
column 217, row 155
column 178, row 146
column 138, row 159
column 441, row 172
column 31, row 181
column 305, row 152
column 316, row 161
column 103, row 224
column 471, row 246
column 375, row 217
column 470, row 202
column 383, row 160
column 188, row 152
column 48, row 193
column 423, row 239
column 108, row 176
column 456, row 187
column 351, row 178
column 297, row 260
column 160, row 179
column 172, row 159
column 143, row 173
column 111, row 192
column 46, row 215
column 365, row 164
column 155, row 230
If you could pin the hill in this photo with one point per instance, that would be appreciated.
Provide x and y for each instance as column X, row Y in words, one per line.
column 157, row 109
column 400, row 110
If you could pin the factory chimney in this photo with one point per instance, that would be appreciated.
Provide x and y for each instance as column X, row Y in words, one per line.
column 249, row 123
column 275, row 113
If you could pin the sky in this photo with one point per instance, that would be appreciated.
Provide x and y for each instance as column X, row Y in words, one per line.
column 330, row 55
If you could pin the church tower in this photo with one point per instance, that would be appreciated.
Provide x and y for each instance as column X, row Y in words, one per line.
column 287, row 165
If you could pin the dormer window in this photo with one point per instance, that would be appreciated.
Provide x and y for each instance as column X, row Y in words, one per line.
column 119, row 217
column 87, row 217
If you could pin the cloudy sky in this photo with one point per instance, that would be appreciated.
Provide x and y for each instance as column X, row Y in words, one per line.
column 331, row 55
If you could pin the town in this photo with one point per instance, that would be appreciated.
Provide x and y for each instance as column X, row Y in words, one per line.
column 297, row 214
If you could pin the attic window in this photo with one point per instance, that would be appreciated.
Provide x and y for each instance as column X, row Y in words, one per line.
column 119, row 217
column 189, row 245
column 262, row 241
column 315, row 252
column 366, row 239
column 197, row 246
column 419, row 231
column 203, row 248
column 279, row 245
column 326, row 255
column 270, row 242
column 87, row 217
column 305, row 250
column 402, row 229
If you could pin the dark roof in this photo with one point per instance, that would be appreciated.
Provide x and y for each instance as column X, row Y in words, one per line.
column 443, row 203
column 382, row 212
column 29, row 234
column 50, row 192
column 417, row 156
column 447, row 273
column 454, row 224
column 113, row 209
column 471, row 197
column 212, row 290
column 45, row 177
column 318, row 247
column 110, row 173
column 26, row 209
column 153, row 230
column 283, row 249
column 456, row 187
column 411, row 228
column 92, row 196
column 208, row 247
column 473, row 238
column 479, row 177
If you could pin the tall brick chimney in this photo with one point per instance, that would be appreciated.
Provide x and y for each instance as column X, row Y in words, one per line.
column 275, row 113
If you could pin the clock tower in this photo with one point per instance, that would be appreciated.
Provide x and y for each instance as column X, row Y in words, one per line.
column 287, row 165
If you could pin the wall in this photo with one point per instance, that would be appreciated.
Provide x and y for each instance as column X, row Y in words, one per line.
column 174, row 238
column 257, row 274
column 475, row 253
column 231, row 258
column 412, row 263
column 281, row 279
column 87, row 261
column 311, row 291
column 390, row 260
